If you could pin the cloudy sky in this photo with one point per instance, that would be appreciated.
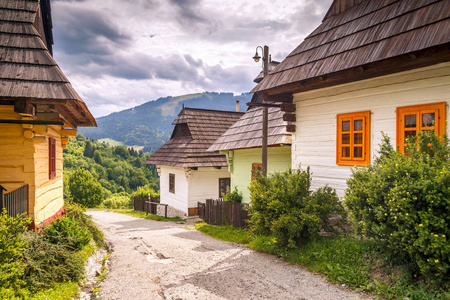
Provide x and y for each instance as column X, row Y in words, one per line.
column 121, row 53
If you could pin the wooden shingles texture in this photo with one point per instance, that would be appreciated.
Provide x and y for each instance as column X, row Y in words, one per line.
column 247, row 131
column 190, row 149
column 355, row 33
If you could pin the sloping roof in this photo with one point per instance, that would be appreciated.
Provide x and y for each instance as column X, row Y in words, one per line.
column 356, row 36
column 247, row 131
column 27, row 68
column 189, row 149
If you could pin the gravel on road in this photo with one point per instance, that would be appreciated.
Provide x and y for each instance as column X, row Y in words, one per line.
column 166, row 260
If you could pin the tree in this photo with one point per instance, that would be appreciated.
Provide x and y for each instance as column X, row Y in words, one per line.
column 84, row 189
column 89, row 150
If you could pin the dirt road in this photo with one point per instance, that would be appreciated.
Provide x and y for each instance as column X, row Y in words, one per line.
column 164, row 260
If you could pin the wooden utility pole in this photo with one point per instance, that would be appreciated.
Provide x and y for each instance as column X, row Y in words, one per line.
column 265, row 116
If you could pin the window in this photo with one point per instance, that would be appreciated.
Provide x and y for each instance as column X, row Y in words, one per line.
column 411, row 119
column 172, row 183
column 353, row 138
column 51, row 158
column 256, row 168
column 223, row 184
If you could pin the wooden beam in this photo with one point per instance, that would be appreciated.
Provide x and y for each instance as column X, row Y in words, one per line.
column 24, row 107
column 289, row 117
column 64, row 140
column 283, row 97
column 68, row 132
column 287, row 107
column 51, row 117
column 262, row 104
column 290, row 128
column 67, row 118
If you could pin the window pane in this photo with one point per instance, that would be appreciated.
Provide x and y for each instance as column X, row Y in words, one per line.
column 345, row 151
column 358, row 138
column 410, row 121
column 345, row 125
column 410, row 133
column 346, row 139
column 428, row 119
column 358, row 125
column 357, row 152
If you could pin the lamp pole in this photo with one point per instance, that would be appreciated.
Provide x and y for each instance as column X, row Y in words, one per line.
column 265, row 54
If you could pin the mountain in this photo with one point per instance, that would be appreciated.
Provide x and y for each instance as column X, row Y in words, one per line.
column 150, row 124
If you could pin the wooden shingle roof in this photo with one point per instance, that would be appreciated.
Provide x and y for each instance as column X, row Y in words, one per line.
column 195, row 131
column 28, row 71
column 247, row 131
column 360, row 39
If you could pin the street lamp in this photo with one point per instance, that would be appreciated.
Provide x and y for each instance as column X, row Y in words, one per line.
column 265, row 65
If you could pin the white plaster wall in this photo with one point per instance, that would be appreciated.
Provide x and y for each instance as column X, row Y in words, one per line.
column 179, row 199
column 204, row 184
column 314, row 143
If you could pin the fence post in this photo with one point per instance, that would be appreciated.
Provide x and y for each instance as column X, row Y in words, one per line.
column 2, row 198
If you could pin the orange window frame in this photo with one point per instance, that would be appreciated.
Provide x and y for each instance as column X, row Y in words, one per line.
column 353, row 138
column 404, row 130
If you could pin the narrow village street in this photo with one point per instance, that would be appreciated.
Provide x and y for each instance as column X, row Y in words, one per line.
column 165, row 260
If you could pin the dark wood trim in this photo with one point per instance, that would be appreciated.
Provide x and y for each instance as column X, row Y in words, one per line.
column 287, row 107
column 262, row 104
column 290, row 117
column 31, row 122
column 24, row 107
column 283, row 97
column 290, row 128
column 405, row 62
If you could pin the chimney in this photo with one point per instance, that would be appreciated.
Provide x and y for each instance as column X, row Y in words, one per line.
column 237, row 105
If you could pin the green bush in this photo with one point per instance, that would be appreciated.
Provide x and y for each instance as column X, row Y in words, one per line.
column 77, row 212
column 232, row 196
column 84, row 189
column 119, row 200
column 404, row 202
column 143, row 191
column 284, row 205
column 12, row 245
column 68, row 233
column 48, row 263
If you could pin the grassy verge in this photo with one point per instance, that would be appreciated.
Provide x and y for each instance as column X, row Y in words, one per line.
column 360, row 265
column 141, row 214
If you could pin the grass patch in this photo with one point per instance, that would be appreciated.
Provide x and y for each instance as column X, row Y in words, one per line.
column 359, row 264
column 60, row 291
column 141, row 214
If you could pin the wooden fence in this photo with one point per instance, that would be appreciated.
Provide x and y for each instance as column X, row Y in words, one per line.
column 219, row 212
column 141, row 205
column 15, row 202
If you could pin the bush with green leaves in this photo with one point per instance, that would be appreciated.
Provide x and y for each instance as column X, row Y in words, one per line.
column 77, row 212
column 12, row 246
column 84, row 189
column 232, row 196
column 48, row 263
column 68, row 233
column 404, row 202
column 284, row 205
column 118, row 200
column 143, row 191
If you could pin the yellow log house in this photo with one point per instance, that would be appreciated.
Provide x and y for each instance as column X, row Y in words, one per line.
column 39, row 109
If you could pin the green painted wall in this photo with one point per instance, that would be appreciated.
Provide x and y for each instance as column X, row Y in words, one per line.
column 240, row 165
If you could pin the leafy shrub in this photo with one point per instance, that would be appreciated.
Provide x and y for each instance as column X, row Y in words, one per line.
column 84, row 189
column 404, row 202
column 77, row 212
column 232, row 196
column 143, row 191
column 47, row 263
column 118, row 201
column 283, row 205
column 12, row 245
column 68, row 233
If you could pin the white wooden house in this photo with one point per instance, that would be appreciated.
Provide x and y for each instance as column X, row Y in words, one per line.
column 371, row 66
column 188, row 173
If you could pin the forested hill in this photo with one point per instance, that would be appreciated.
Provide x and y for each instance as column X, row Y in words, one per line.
column 150, row 124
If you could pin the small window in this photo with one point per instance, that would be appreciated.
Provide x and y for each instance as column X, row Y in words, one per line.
column 353, row 138
column 51, row 158
column 412, row 119
column 256, row 169
column 172, row 183
column 224, row 183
